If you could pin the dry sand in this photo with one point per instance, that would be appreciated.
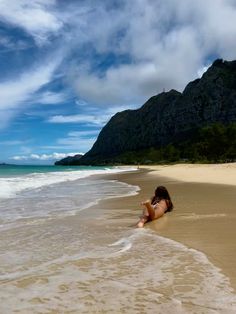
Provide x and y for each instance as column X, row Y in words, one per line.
column 204, row 217
column 202, row 173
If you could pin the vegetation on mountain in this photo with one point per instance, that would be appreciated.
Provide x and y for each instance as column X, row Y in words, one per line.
column 211, row 144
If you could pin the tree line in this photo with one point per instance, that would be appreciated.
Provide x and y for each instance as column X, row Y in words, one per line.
column 211, row 144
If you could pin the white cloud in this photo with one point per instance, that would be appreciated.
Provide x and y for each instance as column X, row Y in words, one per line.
column 167, row 43
column 83, row 140
column 8, row 43
column 38, row 18
column 75, row 140
column 79, row 118
column 83, row 133
column 15, row 94
column 155, row 45
column 99, row 117
column 50, row 98
column 83, row 144
column 127, row 84
column 203, row 70
column 44, row 157
column 81, row 103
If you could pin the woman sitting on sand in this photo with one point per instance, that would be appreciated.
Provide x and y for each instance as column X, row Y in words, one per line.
column 157, row 207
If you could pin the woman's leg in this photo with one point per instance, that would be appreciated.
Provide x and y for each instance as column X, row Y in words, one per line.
column 150, row 209
column 142, row 221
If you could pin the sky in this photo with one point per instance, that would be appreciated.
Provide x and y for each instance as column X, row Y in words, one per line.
column 67, row 66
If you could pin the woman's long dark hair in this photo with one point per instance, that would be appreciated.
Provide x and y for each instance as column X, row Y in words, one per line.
column 161, row 193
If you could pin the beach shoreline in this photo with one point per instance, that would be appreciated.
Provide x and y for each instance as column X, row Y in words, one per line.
column 81, row 261
column 204, row 217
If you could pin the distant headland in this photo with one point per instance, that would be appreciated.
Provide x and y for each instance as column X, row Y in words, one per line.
column 68, row 160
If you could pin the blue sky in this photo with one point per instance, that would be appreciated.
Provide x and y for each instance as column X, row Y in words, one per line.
column 68, row 66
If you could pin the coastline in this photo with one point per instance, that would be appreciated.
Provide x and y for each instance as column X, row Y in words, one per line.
column 204, row 217
column 82, row 260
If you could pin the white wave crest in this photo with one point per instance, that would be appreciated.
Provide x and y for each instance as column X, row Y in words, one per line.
column 11, row 186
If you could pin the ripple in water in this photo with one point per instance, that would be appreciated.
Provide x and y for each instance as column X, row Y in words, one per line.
column 141, row 272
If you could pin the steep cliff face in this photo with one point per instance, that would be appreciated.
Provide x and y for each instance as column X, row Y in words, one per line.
column 132, row 130
column 170, row 117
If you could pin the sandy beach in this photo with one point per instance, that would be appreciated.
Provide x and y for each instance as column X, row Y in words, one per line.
column 96, row 261
column 204, row 217
column 199, row 173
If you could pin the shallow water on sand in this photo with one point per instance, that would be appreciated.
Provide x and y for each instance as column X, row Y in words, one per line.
column 139, row 273
column 77, row 259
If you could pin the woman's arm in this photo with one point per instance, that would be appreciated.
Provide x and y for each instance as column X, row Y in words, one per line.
column 154, row 213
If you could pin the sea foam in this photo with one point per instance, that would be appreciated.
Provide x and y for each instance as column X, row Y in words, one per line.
column 140, row 269
column 12, row 186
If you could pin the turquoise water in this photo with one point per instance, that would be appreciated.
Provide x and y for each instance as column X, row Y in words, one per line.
column 18, row 170
column 15, row 180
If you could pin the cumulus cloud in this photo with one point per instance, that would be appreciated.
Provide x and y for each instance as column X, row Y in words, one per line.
column 167, row 43
column 164, row 44
column 43, row 157
column 128, row 84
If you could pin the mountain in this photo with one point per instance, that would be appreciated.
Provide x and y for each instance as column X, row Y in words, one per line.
column 68, row 160
column 170, row 119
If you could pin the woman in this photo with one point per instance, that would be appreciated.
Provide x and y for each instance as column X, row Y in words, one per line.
column 159, row 205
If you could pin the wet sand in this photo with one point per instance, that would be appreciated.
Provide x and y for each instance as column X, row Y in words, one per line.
column 80, row 262
column 204, row 217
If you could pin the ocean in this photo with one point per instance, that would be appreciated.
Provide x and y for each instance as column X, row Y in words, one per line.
column 58, row 254
column 46, row 191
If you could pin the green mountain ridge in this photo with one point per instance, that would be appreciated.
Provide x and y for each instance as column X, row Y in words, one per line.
column 174, row 126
